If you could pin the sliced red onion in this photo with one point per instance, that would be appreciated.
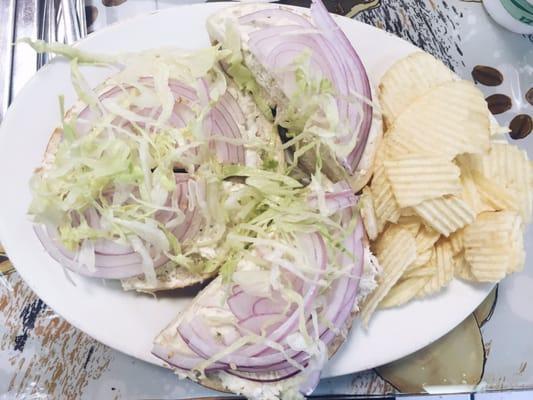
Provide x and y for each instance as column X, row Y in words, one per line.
column 107, row 247
column 288, row 51
column 180, row 89
column 265, row 306
column 276, row 46
column 271, row 42
column 224, row 119
column 261, row 366
column 346, row 289
column 102, row 260
column 115, row 260
column 196, row 334
column 337, row 201
column 256, row 323
column 316, row 243
column 120, row 272
column 193, row 222
column 241, row 304
column 345, row 293
column 244, row 305
column 224, row 124
column 121, row 261
column 362, row 85
column 192, row 331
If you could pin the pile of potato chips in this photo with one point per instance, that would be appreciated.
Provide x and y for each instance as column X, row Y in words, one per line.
column 447, row 198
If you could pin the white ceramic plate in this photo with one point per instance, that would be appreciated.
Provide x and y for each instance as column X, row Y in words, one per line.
column 126, row 321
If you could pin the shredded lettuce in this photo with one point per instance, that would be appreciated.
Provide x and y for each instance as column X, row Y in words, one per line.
column 311, row 97
column 239, row 72
column 312, row 119
column 117, row 157
column 70, row 52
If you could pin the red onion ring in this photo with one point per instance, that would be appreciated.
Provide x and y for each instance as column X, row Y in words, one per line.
column 340, row 305
column 193, row 332
column 362, row 85
column 121, row 262
column 117, row 261
column 255, row 323
column 241, row 304
column 275, row 46
column 337, row 201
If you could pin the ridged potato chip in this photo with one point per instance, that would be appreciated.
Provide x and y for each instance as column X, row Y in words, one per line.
column 448, row 120
column 461, row 268
column 385, row 205
column 422, row 258
column 396, row 147
column 488, row 264
column 443, row 259
column 508, row 166
column 426, row 270
column 490, row 229
column 408, row 212
column 456, row 241
column 403, row 292
column 446, row 180
column 366, row 205
column 445, row 214
column 382, row 153
column 493, row 245
column 425, row 239
column 395, row 250
column 471, row 194
column 412, row 223
column 415, row 178
column 497, row 197
column 408, row 79
column 492, row 194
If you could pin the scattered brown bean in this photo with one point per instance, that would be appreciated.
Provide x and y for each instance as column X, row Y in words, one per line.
column 487, row 76
column 499, row 103
column 521, row 126
column 529, row 96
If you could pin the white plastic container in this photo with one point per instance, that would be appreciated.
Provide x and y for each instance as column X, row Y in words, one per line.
column 514, row 15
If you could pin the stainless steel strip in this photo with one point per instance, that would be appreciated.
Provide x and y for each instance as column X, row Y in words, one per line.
column 60, row 26
column 71, row 21
column 7, row 24
column 47, row 29
column 82, row 18
column 24, row 58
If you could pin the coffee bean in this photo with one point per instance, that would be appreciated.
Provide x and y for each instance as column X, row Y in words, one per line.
column 529, row 96
column 498, row 103
column 521, row 126
column 487, row 76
